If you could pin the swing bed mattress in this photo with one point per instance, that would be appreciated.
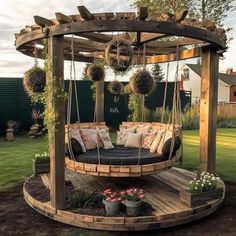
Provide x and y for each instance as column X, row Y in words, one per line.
column 121, row 155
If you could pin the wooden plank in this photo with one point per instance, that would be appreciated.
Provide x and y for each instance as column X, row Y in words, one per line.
column 98, row 37
column 99, row 109
column 85, row 13
column 56, row 129
column 208, row 109
column 62, row 18
column 45, row 179
column 41, row 21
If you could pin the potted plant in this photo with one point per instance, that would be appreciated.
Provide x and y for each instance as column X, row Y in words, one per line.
column 36, row 115
column 201, row 190
column 111, row 201
column 133, row 199
column 10, row 130
column 41, row 163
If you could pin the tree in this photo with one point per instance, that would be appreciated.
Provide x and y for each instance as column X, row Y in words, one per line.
column 84, row 73
column 157, row 73
column 213, row 10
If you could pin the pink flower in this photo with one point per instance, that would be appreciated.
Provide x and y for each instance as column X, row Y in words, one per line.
column 141, row 196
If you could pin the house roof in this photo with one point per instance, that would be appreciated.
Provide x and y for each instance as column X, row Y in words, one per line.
column 227, row 78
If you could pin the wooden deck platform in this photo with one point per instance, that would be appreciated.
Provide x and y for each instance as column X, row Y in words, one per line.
column 162, row 191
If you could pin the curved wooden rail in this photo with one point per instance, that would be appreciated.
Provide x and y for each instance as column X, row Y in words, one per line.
column 156, row 220
column 117, row 170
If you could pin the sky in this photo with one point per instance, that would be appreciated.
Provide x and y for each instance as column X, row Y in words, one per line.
column 15, row 14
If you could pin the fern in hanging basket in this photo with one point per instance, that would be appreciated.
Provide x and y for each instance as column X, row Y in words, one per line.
column 119, row 54
column 35, row 80
column 116, row 87
column 141, row 82
column 96, row 72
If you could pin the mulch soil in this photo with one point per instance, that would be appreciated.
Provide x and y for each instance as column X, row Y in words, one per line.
column 17, row 218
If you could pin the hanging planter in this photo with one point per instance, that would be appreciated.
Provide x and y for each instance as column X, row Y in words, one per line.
column 141, row 82
column 116, row 87
column 35, row 80
column 127, row 89
column 96, row 72
column 119, row 54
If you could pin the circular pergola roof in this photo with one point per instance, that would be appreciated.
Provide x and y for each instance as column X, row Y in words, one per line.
column 92, row 33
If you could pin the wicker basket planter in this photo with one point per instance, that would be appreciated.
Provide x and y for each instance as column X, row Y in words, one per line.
column 193, row 200
column 35, row 80
column 119, row 54
column 116, row 87
column 96, row 72
column 40, row 166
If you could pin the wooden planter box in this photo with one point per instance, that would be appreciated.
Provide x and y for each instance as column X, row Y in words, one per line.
column 41, row 166
column 193, row 200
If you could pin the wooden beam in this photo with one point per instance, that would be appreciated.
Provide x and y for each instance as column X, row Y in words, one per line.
column 185, row 54
column 143, row 13
column 102, row 38
column 41, row 21
column 56, row 125
column 208, row 109
column 62, row 18
column 100, row 101
column 85, row 13
column 180, row 16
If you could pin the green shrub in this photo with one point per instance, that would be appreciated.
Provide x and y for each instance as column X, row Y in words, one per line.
column 82, row 199
column 41, row 156
column 190, row 120
column 226, row 122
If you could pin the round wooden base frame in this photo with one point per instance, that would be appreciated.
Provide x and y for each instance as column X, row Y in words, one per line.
column 118, row 171
column 172, row 214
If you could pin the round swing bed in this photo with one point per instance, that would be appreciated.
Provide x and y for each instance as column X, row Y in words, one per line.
column 166, row 188
column 123, row 161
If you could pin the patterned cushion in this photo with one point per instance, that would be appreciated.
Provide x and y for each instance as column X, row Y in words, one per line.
column 105, row 137
column 143, row 129
column 156, row 141
column 123, row 134
column 147, row 140
column 167, row 135
column 75, row 133
column 133, row 140
column 90, row 138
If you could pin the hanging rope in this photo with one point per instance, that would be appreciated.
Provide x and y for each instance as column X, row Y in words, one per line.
column 74, row 78
column 174, row 114
column 35, row 52
column 165, row 93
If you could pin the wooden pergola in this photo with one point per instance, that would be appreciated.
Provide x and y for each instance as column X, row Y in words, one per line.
column 91, row 33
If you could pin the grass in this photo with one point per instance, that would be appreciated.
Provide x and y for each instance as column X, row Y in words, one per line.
column 225, row 152
column 16, row 156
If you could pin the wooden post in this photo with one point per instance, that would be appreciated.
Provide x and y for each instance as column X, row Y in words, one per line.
column 208, row 109
column 56, row 120
column 100, row 101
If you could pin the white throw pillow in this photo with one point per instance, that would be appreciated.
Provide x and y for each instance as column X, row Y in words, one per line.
column 133, row 140
column 123, row 134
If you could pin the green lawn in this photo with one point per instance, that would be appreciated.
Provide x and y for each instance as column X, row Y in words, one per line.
column 16, row 156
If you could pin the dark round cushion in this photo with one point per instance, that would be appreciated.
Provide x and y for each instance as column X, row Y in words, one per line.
column 167, row 146
column 76, row 147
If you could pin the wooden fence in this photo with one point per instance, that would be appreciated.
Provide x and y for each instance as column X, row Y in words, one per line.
column 225, row 110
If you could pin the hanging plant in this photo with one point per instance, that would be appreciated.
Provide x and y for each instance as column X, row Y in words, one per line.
column 119, row 54
column 96, row 72
column 141, row 82
column 116, row 87
column 35, row 80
